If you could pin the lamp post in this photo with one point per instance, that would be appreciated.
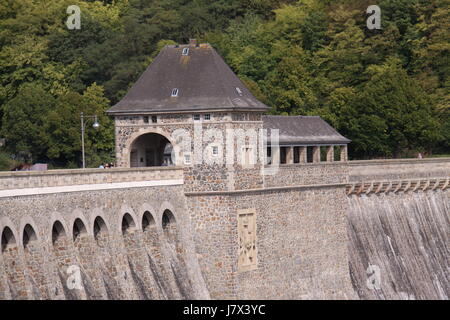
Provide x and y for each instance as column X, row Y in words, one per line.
column 96, row 125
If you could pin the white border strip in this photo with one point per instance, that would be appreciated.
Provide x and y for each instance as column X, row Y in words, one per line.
column 87, row 187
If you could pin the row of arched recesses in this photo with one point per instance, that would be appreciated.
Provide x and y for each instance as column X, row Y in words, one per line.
column 148, row 222
column 82, row 253
column 8, row 239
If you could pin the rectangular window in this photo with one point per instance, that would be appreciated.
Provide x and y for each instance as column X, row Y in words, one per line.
column 185, row 51
column 247, row 157
column 196, row 117
column 187, row 159
column 296, row 154
column 154, row 119
column 207, row 116
column 283, row 155
column 269, row 155
column 145, row 119
column 215, row 150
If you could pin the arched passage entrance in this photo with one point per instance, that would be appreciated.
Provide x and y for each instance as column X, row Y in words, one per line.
column 151, row 150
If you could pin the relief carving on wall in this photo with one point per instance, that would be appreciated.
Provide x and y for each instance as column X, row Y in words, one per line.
column 247, row 240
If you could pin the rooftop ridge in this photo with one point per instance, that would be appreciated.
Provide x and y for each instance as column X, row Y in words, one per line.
column 204, row 81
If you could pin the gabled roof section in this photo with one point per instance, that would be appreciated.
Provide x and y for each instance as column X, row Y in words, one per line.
column 203, row 79
column 303, row 130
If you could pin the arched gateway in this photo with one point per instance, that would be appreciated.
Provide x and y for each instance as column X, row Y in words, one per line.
column 151, row 150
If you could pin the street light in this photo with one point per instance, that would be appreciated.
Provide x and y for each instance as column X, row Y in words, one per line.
column 96, row 125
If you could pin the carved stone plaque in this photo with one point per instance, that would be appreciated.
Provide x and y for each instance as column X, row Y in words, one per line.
column 247, row 240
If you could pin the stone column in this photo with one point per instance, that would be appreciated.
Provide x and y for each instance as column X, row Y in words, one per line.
column 302, row 156
column 276, row 155
column 330, row 153
column 344, row 155
column 289, row 155
column 316, row 154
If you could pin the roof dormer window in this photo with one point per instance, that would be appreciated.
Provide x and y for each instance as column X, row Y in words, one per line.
column 175, row 92
column 185, row 51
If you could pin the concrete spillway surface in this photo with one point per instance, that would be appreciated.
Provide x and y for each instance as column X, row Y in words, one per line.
column 399, row 245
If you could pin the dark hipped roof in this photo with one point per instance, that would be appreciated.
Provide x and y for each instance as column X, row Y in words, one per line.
column 303, row 130
column 204, row 82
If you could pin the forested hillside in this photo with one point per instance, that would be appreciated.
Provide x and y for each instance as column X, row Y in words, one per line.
column 387, row 90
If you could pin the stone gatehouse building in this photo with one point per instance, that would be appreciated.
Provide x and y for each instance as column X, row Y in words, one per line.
column 189, row 88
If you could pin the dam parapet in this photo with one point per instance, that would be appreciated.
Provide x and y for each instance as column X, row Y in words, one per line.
column 398, row 169
column 56, row 178
column 403, row 175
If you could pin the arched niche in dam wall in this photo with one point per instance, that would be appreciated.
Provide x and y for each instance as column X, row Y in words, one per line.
column 176, row 253
column 106, row 260
column 65, row 259
column 34, row 261
column 13, row 265
column 169, row 227
column 85, row 249
column 141, row 272
column 159, row 264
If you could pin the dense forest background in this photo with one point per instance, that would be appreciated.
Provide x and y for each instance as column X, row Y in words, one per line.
column 387, row 90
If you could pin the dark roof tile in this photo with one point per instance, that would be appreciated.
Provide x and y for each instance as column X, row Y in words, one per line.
column 204, row 82
column 303, row 130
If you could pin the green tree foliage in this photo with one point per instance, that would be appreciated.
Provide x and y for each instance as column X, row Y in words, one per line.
column 387, row 90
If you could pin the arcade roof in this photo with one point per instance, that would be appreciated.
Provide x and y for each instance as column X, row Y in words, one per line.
column 303, row 130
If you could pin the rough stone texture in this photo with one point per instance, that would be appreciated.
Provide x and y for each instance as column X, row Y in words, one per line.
column 54, row 178
column 307, row 174
column 301, row 240
column 114, row 265
column 181, row 241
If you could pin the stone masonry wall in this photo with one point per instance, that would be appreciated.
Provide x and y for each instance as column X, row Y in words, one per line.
column 54, row 178
column 307, row 174
column 301, row 243
column 115, row 262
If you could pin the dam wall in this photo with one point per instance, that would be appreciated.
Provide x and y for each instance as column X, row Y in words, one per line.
column 398, row 228
column 299, row 251
column 346, row 230
column 123, row 234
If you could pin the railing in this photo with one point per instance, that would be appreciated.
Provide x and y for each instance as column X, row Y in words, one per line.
column 412, row 185
column 398, row 169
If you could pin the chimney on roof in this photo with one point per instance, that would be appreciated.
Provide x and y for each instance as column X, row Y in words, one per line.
column 192, row 42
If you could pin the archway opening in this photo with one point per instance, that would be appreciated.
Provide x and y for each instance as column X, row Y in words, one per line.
column 127, row 223
column 151, row 150
column 148, row 222
column 58, row 232
column 79, row 229
column 8, row 239
column 100, row 229
column 169, row 225
column 29, row 235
